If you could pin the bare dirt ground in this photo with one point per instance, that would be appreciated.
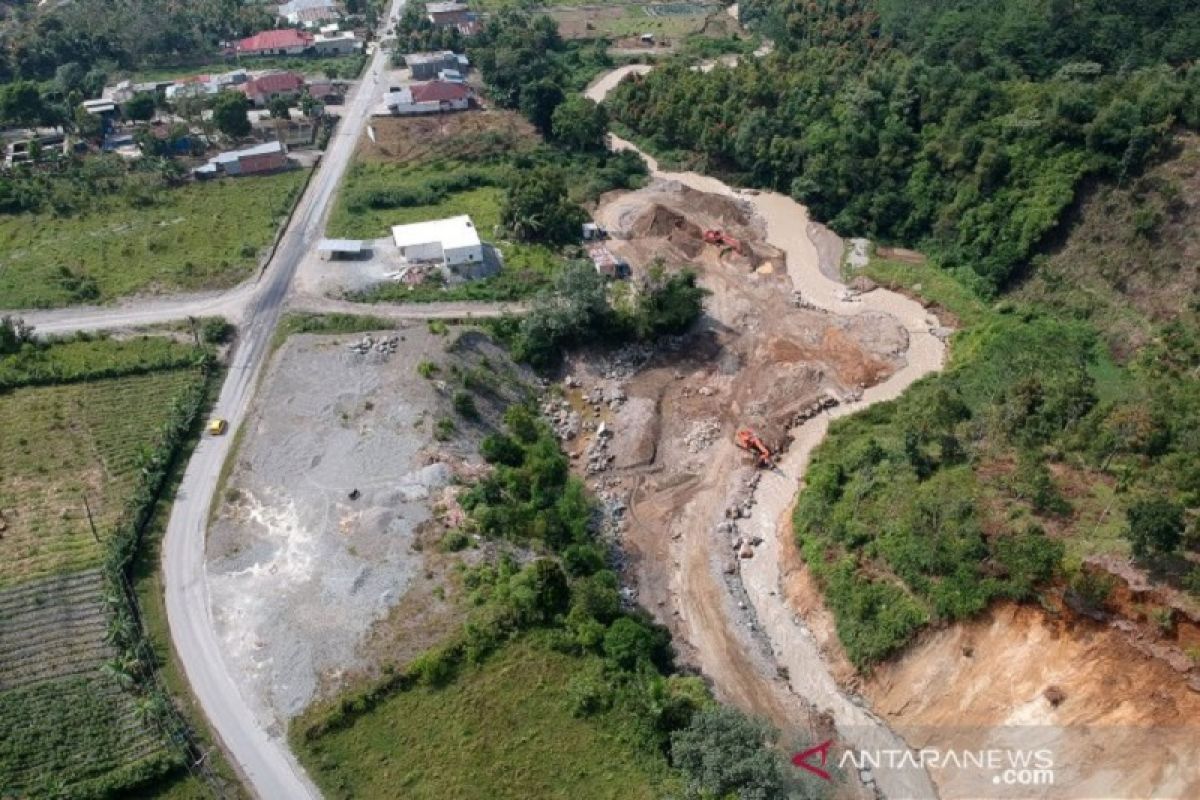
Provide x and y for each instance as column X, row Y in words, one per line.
column 311, row 586
column 412, row 140
column 762, row 358
column 1118, row 723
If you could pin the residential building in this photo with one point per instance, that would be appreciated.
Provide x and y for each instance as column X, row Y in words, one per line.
column 336, row 43
column 262, row 90
column 448, row 14
column 260, row 158
column 452, row 243
column 309, row 12
column 279, row 42
column 426, row 98
column 426, row 66
column 100, row 108
column 326, row 92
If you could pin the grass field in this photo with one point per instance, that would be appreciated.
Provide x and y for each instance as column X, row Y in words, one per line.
column 502, row 730
column 669, row 22
column 169, row 245
column 73, row 727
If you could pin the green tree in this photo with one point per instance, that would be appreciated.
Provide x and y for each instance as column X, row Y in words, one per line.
column 279, row 108
column 13, row 333
column 725, row 754
column 539, row 101
column 87, row 125
column 1155, row 526
column 580, row 124
column 668, row 303
column 140, row 106
column 231, row 114
column 21, row 104
column 537, row 208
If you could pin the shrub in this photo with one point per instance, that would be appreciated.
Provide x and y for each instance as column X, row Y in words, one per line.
column 464, row 404
column 444, row 429
column 1155, row 527
column 725, row 754
column 216, row 330
column 427, row 369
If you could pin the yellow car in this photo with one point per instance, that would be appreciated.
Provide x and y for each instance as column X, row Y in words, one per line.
column 217, row 427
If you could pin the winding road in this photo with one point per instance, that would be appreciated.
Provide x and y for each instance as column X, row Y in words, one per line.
column 261, row 756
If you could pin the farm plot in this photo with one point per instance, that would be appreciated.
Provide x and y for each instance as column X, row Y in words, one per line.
column 69, row 722
column 72, row 724
column 60, row 444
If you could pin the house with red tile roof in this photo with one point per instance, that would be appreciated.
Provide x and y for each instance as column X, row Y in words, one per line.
column 280, row 42
column 265, row 88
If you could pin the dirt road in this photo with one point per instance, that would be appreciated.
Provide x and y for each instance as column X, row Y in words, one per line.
column 711, row 620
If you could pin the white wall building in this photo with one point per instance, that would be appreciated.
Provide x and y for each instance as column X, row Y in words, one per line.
column 452, row 242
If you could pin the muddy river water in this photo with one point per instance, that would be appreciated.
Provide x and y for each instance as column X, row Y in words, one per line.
column 793, row 645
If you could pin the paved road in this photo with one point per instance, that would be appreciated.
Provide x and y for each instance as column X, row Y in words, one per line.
column 262, row 757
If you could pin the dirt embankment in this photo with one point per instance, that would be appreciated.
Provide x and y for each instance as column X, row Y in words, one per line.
column 1117, row 722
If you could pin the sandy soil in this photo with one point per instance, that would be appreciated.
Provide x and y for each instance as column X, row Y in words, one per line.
column 765, row 360
column 305, row 578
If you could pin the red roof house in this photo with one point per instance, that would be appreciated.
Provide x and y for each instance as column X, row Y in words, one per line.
column 281, row 42
column 265, row 88
column 456, row 94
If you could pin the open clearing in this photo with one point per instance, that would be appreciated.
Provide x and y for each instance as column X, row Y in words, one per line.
column 167, row 246
column 71, row 724
column 502, row 731
column 424, row 168
column 626, row 22
column 312, row 587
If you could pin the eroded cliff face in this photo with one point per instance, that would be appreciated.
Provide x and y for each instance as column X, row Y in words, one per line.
column 1118, row 721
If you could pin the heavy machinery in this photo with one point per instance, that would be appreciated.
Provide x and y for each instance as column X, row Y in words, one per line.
column 750, row 441
column 722, row 239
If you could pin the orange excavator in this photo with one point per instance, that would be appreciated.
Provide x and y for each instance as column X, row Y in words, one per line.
column 722, row 239
column 752, row 442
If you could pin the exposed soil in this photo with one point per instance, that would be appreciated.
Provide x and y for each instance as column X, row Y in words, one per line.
column 1118, row 723
column 761, row 358
column 414, row 140
column 323, row 560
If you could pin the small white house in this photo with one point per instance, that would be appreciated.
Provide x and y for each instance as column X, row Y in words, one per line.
column 336, row 43
column 452, row 242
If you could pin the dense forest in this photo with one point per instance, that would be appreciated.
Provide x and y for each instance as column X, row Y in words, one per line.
column 963, row 128
column 1037, row 151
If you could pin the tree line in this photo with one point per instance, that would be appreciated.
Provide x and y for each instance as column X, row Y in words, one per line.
column 971, row 152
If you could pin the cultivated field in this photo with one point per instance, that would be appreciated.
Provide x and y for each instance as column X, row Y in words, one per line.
column 167, row 246
column 62, row 444
column 73, row 726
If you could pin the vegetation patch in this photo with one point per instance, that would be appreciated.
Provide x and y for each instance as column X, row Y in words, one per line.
column 116, row 248
column 83, row 471
column 503, row 729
